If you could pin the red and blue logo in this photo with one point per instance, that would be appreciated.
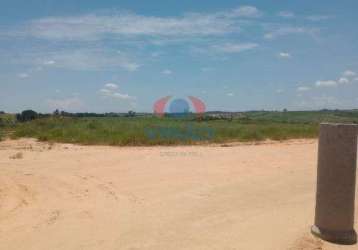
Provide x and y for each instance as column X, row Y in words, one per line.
column 178, row 106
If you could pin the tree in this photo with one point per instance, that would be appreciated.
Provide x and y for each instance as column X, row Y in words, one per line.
column 130, row 113
column 26, row 115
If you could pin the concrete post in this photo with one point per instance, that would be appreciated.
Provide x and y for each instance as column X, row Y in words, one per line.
column 336, row 178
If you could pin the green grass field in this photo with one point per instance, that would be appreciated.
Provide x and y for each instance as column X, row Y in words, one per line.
column 250, row 126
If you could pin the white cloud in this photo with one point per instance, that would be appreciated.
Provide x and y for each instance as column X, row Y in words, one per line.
column 303, row 88
column 317, row 18
column 349, row 73
column 129, row 66
column 110, row 90
column 67, row 104
column 206, row 69
column 33, row 69
column 230, row 94
column 23, row 75
column 156, row 54
column 105, row 91
column 111, row 86
column 50, row 62
column 234, row 48
column 343, row 80
column 326, row 102
column 284, row 55
column 328, row 83
column 167, row 72
column 286, row 14
column 246, row 11
column 279, row 91
column 121, row 96
column 284, row 31
column 118, row 24
column 85, row 59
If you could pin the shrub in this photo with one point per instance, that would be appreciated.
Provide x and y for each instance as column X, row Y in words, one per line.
column 26, row 115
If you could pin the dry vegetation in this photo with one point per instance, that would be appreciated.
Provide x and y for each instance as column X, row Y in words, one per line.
column 248, row 126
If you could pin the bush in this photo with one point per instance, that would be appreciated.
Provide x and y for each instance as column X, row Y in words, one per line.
column 26, row 115
column 130, row 114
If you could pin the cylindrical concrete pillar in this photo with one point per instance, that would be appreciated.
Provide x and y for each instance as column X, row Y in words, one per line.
column 336, row 178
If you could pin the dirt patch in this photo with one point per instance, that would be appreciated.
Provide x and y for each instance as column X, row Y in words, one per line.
column 240, row 196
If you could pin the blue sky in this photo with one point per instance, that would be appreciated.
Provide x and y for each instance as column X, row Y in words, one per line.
column 104, row 56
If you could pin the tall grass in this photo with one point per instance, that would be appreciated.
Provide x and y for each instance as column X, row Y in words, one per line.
column 7, row 121
column 159, row 131
column 249, row 126
column 341, row 116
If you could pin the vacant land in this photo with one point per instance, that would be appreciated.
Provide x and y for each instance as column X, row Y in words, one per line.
column 248, row 126
column 156, row 131
column 61, row 196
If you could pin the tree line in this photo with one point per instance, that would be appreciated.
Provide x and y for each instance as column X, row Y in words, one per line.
column 29, row 115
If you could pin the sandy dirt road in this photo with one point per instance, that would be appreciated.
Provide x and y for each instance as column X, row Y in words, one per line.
column 204, row 197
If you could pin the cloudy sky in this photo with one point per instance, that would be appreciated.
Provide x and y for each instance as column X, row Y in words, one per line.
column 120, row 55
